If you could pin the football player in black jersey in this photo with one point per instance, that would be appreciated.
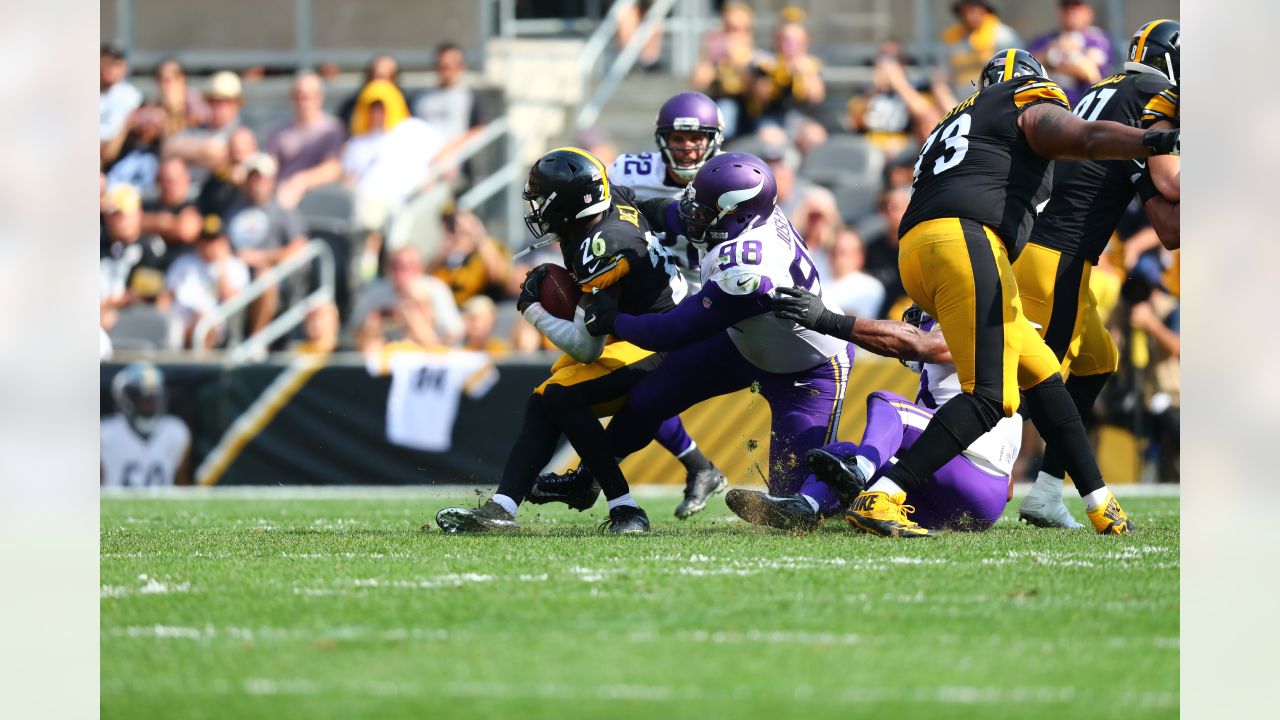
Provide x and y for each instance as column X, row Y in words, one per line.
column 979, row 178
column 605, row 243
column 1088, row 200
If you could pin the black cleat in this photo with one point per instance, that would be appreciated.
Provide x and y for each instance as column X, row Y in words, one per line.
column 792, row 512
column 626, row 520
column 576, row 488
column 698, row 486
column 488, row 517
column 842, row 474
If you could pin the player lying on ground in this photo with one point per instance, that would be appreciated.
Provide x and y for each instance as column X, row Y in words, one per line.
column 606, row 243
column 968, row 492
column 688, row 132
column 1089, row 198
column 979, row 177
column 723, row 338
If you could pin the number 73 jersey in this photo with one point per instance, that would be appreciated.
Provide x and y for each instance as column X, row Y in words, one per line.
column 977, row 164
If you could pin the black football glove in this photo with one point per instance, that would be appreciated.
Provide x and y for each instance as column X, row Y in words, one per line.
column 529, row 288
column 803, row 307
column 601, row 314
column 1163, row 142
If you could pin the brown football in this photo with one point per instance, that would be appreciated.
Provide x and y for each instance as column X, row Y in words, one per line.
column 559, row 292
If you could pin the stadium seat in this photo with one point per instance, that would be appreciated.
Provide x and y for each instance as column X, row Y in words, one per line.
column 142, row 327
column 856, row 200
column 843, row 160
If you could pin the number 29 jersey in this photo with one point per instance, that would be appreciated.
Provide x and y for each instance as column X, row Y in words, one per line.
column 977, row 164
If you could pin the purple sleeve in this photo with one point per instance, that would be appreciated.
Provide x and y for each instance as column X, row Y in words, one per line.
column 1096, row 38
column 708, row 311
column 1038, row 45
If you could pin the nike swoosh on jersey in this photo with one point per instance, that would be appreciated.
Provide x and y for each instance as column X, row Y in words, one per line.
column 1140, row 163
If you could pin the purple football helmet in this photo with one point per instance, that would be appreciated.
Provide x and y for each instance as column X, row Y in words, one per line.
column 689, row 112
column 732, row 193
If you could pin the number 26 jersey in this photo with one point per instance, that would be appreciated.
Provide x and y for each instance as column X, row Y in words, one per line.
column 977, row 164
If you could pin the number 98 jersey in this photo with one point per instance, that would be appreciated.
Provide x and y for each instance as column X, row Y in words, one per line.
column 977, row 164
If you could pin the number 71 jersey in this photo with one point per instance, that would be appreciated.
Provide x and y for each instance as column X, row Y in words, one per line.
column 977, row 164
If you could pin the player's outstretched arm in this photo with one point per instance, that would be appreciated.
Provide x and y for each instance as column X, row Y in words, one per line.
column 699, row 316
column 890, row 338
column 1055, row 133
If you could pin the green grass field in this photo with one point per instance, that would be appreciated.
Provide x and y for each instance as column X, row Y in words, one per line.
column 340, row 607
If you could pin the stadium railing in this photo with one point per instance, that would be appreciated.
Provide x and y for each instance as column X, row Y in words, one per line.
column 316, row 252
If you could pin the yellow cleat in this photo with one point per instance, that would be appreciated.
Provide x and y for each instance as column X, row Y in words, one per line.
column 880, row 513
column 1109, row 518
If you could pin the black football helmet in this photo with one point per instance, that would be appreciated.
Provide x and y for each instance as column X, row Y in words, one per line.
column 1009, row 64
column 565, row 185
column 138, row 390
column 1156, row 47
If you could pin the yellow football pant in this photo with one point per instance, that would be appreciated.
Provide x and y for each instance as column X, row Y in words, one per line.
column 958, row 271
column 607, row 380
column 1055, row 295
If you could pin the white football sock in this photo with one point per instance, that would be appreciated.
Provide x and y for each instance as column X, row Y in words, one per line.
column 1096, row 498
column 812, row 503
column 867, row 467
column 1048, row 483
column 622, row 500
column 507, row 503
column 885, row 485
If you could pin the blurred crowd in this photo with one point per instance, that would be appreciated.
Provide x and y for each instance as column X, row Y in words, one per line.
column 197, row 206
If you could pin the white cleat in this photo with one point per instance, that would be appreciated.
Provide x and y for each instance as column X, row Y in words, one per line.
column 1044, row 508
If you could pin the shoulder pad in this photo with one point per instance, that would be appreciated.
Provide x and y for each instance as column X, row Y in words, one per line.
column 1039, row 89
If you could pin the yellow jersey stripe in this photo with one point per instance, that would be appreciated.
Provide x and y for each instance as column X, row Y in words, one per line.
column 604, row 174
column 607, row 276
column 1142, row 40
column 1040, row 91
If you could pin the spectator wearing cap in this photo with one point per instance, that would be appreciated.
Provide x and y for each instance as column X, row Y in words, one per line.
column 183, row 108
column 380, row 67
column 117, row 98
column 453, row 107
column 811, row 207
column 262, row 232
column 206, row 146
column 221, row 190
column 385, row 162
column 173, row 214
column 788, row 80
column 469, row 261
column 853, row 290
column 972, row 41
column 724, row 68
column 199, row 281
column 1077, row 53
column 131, row 264
column 308, row 149
column 407, row 305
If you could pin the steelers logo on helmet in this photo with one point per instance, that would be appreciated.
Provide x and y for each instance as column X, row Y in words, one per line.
column 1156, row 48
column 566, row 185
column 1010, row 64
column 694, row 113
